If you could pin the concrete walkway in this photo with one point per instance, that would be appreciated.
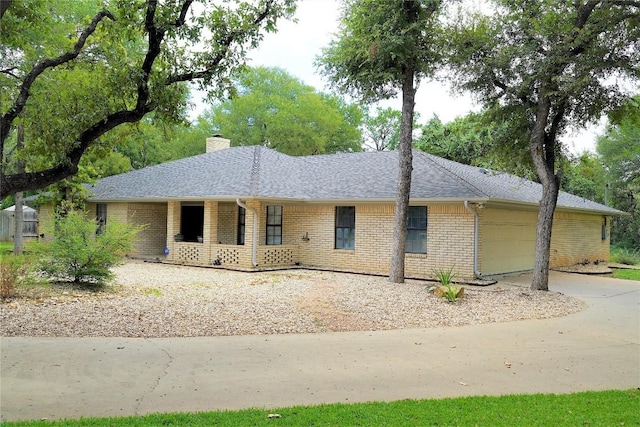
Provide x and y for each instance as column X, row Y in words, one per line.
column 598, row 348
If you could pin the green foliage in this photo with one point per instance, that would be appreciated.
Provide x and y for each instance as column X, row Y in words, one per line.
column 376, row 43
column 79, row 253
column 592, row 408
column 627, row 274
column 585, row 176
column 15, row 270
column 274, row 109
column 486, row 139
column 104, row 64
column 381, row 131
column 444, row 276
column 12, row 271
column 619, row 149
column 449, row 291
column 621, row 255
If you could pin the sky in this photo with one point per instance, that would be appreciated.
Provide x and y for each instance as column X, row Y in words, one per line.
column 295, row 47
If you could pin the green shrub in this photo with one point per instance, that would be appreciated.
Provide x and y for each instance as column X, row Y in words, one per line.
column 444, row 276
column 625, row 256
column 10, row 272
column 77, row 253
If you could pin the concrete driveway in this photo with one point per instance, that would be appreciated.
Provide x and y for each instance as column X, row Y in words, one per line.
column 598, row 348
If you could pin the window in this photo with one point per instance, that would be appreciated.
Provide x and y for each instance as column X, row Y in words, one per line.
column 192, row 221
column 417, row 230
column 345, row 227
column 242, row 214
column 274, row 225
column 101, row 216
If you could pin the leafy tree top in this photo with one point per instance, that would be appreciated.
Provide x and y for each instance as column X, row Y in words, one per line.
column 103, row 64
column 274, row 109
column 572, row 52
column 377, row 41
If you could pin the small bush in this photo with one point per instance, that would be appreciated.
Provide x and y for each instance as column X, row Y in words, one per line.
column 12, row 271
column 77, row 253
column 625, row 256
column 447, row 289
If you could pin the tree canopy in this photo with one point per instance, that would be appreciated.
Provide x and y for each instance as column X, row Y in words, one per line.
column 274, row 109
column 70, row 72
column 619, row 149
column 549, row 66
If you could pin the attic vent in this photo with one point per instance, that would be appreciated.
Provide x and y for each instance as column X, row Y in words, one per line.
column 484, row 171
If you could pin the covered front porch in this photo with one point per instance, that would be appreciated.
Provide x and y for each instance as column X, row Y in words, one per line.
column 226, row 233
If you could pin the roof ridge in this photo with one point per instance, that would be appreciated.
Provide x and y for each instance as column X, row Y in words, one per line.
column 430, row 158
column 254, row 184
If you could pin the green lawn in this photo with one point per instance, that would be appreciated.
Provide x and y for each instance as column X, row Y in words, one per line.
column 626, row 274
column 603, row 408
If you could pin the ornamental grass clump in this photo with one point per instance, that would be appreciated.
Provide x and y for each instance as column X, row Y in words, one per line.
column 447, row 289
column 83, row 251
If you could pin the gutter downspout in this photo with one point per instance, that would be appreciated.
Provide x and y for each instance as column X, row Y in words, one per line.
column 475, row 237
column 254, row 251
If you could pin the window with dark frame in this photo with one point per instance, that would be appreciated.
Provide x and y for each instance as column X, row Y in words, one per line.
column 416, row 230
column 345, row 227
column 101, row 217
column 274, row 225
column 242, row 215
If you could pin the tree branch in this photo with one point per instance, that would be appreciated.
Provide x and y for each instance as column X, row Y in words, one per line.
column 41, row 67
column 4, row 5
column 215, row 61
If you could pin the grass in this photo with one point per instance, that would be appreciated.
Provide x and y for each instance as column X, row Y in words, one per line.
column 626, row 274
column 594, row 408
column 6, row 247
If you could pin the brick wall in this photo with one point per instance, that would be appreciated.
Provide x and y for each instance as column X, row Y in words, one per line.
column 152, row 240
column 508, row 240
column 577, row 238
column 449, row 239
column 45, row 221
column 227, row 228
column 507, row 237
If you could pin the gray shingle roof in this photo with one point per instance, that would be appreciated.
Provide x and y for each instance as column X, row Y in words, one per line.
column 258, row 172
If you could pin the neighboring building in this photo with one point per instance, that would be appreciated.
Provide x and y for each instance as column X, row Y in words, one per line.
column 29, row 223
column 253, row 208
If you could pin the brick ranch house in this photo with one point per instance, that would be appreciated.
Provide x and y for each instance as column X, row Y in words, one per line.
column 252, row 208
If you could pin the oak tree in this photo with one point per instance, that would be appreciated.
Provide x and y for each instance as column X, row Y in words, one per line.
column 73, row 71
column 551, row 65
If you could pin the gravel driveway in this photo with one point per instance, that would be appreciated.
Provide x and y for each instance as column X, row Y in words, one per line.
column 159, row 300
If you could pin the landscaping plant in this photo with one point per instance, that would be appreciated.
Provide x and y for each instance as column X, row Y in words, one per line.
column 626, row 256
column 79, row 253
column 447, row 289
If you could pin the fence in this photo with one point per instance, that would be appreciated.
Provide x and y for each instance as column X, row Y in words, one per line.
column 7, row 223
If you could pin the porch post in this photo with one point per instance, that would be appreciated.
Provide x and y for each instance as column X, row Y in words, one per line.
column 173, row 227
column 210, row 229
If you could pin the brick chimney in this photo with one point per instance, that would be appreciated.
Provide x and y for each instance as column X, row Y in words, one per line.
column 217, row 142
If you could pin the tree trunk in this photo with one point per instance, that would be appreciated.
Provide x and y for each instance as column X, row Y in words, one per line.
column 542, row 147
column 548, row 202
column 18, row 214
column 405, row 161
